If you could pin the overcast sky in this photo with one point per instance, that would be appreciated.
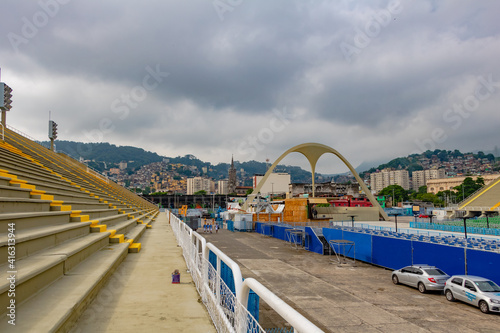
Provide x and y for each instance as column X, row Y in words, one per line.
column 373, row 79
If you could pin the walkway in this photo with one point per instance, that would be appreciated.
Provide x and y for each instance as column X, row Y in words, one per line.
column 140, row 296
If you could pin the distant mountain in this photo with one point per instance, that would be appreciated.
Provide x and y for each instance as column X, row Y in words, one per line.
column 103, row 156
column 412, row 162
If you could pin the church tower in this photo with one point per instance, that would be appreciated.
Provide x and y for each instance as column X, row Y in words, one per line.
column 231, row 184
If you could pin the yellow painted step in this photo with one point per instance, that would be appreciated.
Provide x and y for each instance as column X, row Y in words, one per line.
column 79, row 218
column 60, row 208
column 98, row 228
column 117, row 238
column 134, row 248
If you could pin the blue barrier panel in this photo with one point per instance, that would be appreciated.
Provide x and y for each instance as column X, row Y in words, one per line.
column 227, row 276
column 279, row 232
column 332, row 234
column 225, row 271
column 258, row 227
column 484, row 264
column 362, row 245
column 267, row 229
column 314, row 244
column 449, row 258
column 362, row 242
column 230, row 225
column 392, row 253
column 253, row 304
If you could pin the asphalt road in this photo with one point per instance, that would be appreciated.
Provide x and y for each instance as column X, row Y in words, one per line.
column 344, row 298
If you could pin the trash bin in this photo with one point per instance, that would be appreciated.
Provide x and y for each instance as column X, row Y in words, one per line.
column 176, row 276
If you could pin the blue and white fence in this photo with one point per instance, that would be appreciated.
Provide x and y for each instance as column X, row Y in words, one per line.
column 228, row 310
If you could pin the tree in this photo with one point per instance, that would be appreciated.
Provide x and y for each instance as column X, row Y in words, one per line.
column 430, row 197
column 399, row 193
column 422, row 189
column 249, row 191
column 447, row 196
column 469, row 186
column 201, row 192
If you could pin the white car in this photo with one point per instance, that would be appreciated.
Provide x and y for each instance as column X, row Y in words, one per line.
column 474, row 290
column 423, row 277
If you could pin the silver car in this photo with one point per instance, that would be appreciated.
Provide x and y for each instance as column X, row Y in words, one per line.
column 474, row 290
column 423, row 277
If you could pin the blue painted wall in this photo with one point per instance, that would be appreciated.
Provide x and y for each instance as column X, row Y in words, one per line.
column 314, row 244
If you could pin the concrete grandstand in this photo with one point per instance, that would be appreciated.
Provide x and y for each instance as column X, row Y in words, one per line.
column 64, row 231
column 484, row 202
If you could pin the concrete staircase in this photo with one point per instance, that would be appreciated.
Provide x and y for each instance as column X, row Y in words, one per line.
column 484, row 201
column 64, row 229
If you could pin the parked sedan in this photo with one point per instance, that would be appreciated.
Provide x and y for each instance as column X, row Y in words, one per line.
column 474, row 290
column 423, row 277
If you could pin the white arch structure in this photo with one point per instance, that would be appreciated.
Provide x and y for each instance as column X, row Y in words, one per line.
column 313, row 151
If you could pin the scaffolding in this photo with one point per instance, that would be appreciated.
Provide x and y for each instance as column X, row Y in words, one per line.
column 343, row 250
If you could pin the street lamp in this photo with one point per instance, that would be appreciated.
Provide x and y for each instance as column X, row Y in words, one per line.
column 352, row 219
column 395, row 219
column 465, row 226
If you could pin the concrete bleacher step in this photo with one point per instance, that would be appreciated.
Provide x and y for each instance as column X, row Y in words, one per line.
column 38, row 177
column 5, row 181
column 33, row 240
column 51, row 183
column 13, row 205
column 39, row 270
column 133, row 237
column 58, row 307
column 34, row 219
column 100, row 213
column 8, row 191
column 110, row 222
column 70, row 168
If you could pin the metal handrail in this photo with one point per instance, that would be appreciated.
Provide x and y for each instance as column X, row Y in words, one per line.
column 13, row 129
column 97, row 172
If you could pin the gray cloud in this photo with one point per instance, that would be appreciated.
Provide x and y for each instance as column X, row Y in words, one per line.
column 226, row 77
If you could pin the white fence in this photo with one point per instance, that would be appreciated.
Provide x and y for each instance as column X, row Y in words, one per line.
column 228, row 311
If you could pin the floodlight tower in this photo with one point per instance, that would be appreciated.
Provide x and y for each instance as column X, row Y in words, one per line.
column 52, row 133
column 5, row 101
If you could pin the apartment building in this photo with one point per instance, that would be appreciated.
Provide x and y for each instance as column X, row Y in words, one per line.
column 381, row 179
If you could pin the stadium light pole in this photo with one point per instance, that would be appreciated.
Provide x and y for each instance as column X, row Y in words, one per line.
column 5, row 102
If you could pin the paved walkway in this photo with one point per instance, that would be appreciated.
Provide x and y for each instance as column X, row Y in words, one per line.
column 140, row 296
